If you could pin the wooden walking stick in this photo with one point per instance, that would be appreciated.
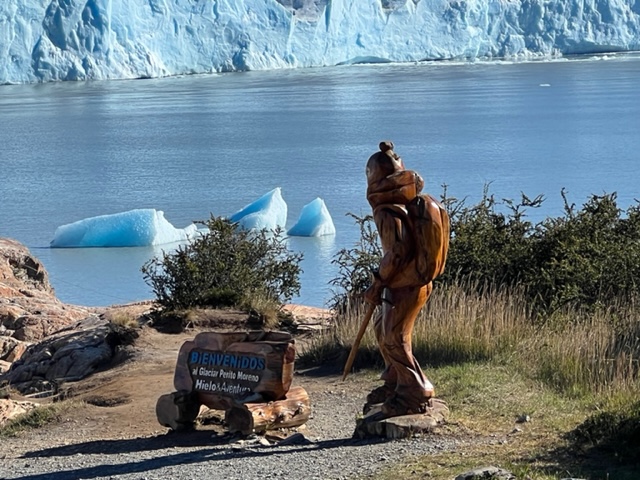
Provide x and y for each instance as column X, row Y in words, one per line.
column 356, row 343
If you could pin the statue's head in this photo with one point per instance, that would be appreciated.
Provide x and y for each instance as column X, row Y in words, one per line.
column 387, row 179
column 383, row 163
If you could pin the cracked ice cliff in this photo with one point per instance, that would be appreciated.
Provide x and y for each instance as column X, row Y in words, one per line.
column 52, row 40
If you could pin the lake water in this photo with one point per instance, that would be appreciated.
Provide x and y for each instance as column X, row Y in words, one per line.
column 195, row 146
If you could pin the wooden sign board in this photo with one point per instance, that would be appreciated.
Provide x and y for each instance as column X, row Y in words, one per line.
column 228, row 368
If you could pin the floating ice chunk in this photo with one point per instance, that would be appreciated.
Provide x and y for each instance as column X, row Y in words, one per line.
column 314, row 221
column 135, row 228
column 267, row 212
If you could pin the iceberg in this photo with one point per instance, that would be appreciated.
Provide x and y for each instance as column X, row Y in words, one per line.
column 55, row 40
column 314, row 221
column 135, row 228
column 268, row 212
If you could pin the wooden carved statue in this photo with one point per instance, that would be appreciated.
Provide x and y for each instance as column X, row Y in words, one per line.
column 414, row 233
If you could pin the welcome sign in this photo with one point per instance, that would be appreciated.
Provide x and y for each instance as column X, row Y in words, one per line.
column 230, row 367
column 225, row 373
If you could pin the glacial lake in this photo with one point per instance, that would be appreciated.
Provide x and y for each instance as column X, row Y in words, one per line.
column 200, row 145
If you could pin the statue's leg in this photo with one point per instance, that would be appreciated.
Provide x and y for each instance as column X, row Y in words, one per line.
column 380, row 394
column 413, row 389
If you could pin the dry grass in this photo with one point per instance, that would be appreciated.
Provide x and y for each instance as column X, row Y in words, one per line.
column 575, row 352
column 587, row 354
column 39, row 417
column 492, row 361
column 124, row 319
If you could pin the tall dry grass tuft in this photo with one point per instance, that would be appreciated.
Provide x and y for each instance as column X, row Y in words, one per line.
column 588, row 353
column 457, row 325
column 332, row 345
column 462, row 323
column 575, row 351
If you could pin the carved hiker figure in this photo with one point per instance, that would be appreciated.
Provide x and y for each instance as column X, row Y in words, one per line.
column 414, row 233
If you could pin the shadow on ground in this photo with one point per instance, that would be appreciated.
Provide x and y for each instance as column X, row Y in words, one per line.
column 214, row 450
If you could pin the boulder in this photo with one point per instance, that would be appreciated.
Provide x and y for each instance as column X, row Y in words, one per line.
column 10, row 409
column 29, row 309
column 70, row 354
column 488, row 473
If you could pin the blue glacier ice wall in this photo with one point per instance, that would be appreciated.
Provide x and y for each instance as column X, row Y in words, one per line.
column 51, row 40
column 135, row 228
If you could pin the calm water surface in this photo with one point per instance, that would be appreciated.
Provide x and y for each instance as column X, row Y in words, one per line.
column 196, row 146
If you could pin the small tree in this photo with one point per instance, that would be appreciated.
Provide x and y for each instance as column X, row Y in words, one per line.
column 227, row 266
column 355, row 266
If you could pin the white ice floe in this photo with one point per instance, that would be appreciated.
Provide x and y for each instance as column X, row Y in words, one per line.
column 268, row 212
column 135, row 228
column 314, row 221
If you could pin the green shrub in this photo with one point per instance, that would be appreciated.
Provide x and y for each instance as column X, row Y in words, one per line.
column 585, row 258
column 354, row 267
column 225, row 267
column 489, row 247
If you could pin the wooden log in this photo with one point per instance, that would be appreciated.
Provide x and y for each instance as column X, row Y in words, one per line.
column 177, row 410
column 292, row 411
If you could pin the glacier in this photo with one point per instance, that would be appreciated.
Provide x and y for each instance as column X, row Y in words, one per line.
column 314, row 221
column 267, row 212
column 56, row 40
column 135, row 228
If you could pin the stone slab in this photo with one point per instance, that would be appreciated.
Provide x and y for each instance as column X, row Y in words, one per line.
column 375, row 425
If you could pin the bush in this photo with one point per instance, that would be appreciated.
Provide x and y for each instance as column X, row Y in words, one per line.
column 488, row 246
column 354, row 267
column 584, row 258
column 225, row 267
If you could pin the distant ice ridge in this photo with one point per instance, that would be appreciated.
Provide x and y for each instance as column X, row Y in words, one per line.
column 52, row 40
column 268, row 212
column 135, row 228
column 314, row 221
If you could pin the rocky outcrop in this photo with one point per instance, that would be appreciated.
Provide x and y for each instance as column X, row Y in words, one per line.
column 43, row 341
column 69, row 355
column 29, row 309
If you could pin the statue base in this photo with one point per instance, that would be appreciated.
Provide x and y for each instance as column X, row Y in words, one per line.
column 375, row 425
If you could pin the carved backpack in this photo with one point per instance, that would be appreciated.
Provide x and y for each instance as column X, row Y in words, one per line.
column 430, row 225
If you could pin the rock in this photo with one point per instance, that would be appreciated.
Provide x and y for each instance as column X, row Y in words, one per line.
column 4, row 366
column 17, row 352
column 11, row 408
column 20, row 270
column 295, row 439
column 404, row 426
column 487, row 473
column 178, row 410
column 69, row 355
column 28, row 305
column 7, row 345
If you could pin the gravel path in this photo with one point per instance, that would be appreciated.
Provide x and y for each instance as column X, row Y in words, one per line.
column 326, row 451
